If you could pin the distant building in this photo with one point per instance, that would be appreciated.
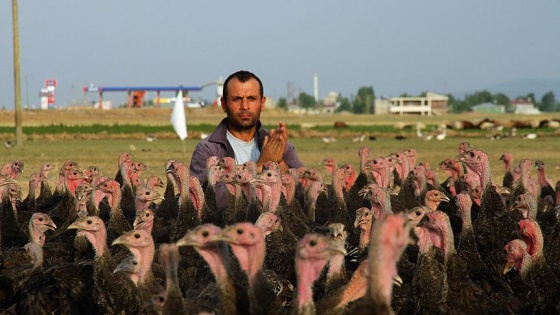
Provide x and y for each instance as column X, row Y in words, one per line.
column 432, row 103
column 104, row 105
column 330, row 103
column 270, row 103
column 328, row 106
column 489, row 108
column 524, row 106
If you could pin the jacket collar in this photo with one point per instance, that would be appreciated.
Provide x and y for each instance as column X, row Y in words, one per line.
column 219, row 135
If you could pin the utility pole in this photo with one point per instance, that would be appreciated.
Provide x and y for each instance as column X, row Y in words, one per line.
column 17, row 81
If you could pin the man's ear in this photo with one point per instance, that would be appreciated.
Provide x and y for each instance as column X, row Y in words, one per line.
column 263, row 101
column 223, row 104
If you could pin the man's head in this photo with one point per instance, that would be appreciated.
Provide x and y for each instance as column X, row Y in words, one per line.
column 243, row 100
column 242, row 76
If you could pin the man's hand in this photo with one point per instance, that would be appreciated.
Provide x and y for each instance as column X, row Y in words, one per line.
column 274, row 145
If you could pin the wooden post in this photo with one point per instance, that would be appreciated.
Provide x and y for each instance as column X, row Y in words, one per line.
column 17, row 83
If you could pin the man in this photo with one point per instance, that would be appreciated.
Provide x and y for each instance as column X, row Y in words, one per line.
column 241, row 135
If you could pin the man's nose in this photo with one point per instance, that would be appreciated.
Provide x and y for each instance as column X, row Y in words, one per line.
column 245, row 103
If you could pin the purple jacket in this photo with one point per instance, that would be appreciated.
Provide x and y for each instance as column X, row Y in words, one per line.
column 217, row 144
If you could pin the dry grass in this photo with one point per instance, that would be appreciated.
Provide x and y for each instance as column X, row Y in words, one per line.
column 160, row 117
column 102, row 152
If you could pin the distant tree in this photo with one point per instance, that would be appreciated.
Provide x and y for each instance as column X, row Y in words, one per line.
column 363, row 103
column 531, row 97
column 461, row 107
column 548, row 103
column 458, row 106
column 344, row 104
column 479, row 98
column 282, row 103
column 452, row 101
column 502, row 99
column 306, row 101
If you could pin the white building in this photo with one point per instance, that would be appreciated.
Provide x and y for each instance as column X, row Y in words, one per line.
column 522, row 106
column 432, row 103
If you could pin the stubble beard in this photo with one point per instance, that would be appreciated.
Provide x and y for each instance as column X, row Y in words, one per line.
column 243, row 124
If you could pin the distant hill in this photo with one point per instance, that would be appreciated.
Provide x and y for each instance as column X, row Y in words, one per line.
column 521, row 87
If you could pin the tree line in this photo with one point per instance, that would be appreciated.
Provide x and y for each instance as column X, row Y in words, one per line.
column 363, row 101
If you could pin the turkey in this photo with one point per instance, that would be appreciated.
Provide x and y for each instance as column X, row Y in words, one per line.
column 389, row 238
column 230, row 280
column 461, row 293
column 313, row 251
column 526, row 256
column 112, row 293
column 248, row 245
column 283, row 249
column 494, row 225
column 141, row 245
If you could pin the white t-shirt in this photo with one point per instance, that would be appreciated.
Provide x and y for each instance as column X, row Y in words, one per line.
column 244, row 151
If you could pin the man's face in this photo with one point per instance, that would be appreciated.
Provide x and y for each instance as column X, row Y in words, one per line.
column 244, row 104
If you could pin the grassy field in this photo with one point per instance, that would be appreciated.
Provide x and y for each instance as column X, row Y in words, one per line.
column 64, row 135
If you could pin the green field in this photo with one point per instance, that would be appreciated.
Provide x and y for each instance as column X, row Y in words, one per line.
column 104, row 153
column 102, row 140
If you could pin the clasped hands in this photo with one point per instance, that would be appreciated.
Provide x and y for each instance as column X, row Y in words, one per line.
column 274, row 146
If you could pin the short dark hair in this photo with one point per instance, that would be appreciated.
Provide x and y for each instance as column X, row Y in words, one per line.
column 242, row 76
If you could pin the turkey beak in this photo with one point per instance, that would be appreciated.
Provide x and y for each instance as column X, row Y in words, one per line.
column 507, row 267
column 170, row 168
column 124, row 268
column 364, row 192
column 158, row 197
column 77, row 225
column 358, row 222
column 397, row 280
column 223, row 236
column 80, row 196
column 121, row 240
column 50, row 225
column 444, row 198
column 186, row 240
column 137, row 223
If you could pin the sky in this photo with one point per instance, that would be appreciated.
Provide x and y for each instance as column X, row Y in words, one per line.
column 395, row 46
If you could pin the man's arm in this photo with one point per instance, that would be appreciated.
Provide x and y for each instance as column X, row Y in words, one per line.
column 291, row 159
column 199, row 157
